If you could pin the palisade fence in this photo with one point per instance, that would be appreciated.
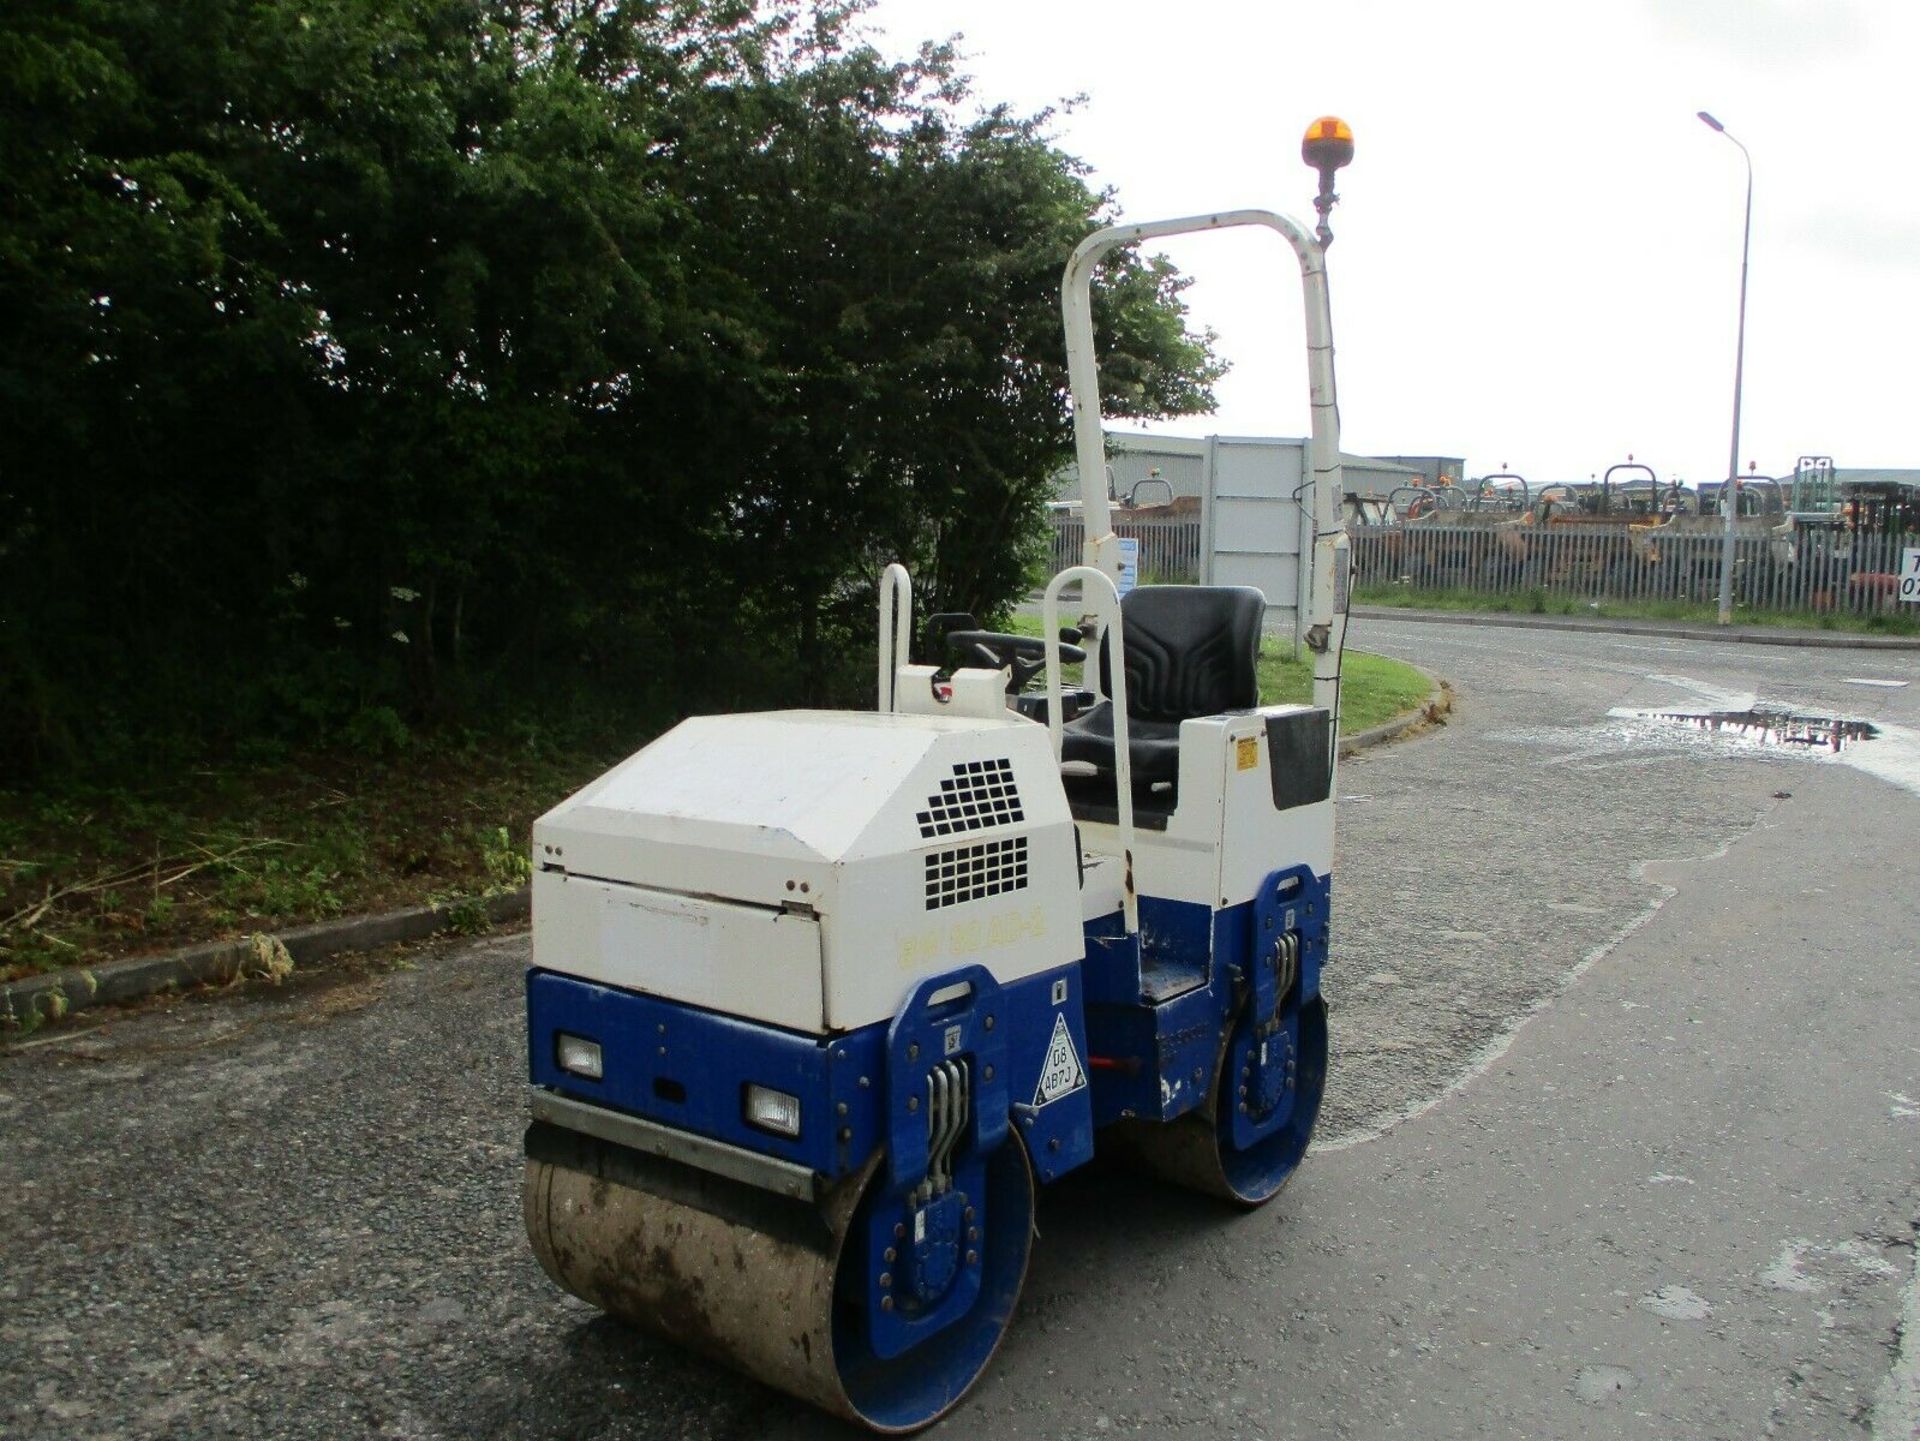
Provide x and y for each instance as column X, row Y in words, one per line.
column 1169, row 547
column 1817, row 570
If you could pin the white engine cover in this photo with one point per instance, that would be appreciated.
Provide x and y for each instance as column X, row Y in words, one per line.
column 807, row 868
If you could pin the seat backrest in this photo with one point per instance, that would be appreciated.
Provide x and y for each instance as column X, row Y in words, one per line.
column 1191, row 650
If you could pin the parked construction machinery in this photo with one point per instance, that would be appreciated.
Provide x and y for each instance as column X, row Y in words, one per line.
column 1464, row 536
column 1582, row 539
column 1688, row 545
column 818, row 997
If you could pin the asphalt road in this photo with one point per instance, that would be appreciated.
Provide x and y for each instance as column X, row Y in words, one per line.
column 1623, row 1137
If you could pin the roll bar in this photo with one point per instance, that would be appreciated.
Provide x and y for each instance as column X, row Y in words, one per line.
column 1425, row 490
column 1327, row 608
column 1779, row 491
column 1547, row 496
column 1526, row 491
column 1606, row 482
column 1133, row 492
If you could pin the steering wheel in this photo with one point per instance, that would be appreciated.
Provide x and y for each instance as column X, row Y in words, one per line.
column 1024, row 655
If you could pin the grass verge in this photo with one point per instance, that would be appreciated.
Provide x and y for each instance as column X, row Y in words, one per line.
column 91, row 873
column 1373, row 689
column 1541, row 602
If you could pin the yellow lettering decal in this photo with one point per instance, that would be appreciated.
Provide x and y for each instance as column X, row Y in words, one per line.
column 917, row 951
column 1246, row 752
column 922, row 950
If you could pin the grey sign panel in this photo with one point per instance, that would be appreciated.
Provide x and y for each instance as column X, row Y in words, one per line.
column 1255, row 519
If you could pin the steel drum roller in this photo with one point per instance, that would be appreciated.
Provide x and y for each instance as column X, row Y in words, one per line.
column 762, row 1284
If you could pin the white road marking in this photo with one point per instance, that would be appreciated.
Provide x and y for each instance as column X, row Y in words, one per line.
column 1865, row 680
column 1788, row 1271
column 1676, row 649
column 1896, row 1403
column 1712, row 697
column 1677, row 1303
column 1893, row 756
column 1490, row 1054
column 1785, row 1274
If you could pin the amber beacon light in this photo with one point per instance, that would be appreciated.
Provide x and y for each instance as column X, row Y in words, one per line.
column 1327, row 146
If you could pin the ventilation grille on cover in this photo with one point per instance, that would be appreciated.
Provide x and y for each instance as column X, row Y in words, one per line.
column 971, row 873
column 981, row 794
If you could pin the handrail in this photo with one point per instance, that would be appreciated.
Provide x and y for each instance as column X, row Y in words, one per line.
column 1097, row 592
column 896, row 626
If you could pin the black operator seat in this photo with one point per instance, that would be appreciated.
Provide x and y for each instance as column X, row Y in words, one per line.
column 1191, row 652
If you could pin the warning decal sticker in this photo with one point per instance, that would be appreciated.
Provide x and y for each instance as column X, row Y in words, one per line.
column 1062, row 1074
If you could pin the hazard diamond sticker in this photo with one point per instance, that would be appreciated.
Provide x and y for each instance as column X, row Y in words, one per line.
column 1062, row 1074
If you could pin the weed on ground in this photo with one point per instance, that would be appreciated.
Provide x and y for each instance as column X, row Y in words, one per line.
column 91, row 872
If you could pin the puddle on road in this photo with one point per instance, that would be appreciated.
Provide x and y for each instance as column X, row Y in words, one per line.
column 1710, row 722
column 1764, row 726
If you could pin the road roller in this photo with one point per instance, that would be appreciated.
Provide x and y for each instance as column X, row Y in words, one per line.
column 819, row 998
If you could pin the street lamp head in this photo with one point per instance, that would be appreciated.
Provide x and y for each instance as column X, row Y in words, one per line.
column 1707, row 119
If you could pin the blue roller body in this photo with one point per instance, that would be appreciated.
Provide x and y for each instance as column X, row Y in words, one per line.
column 1259, row 1151
column 1145, row 1017
column 929, row 1273
column 1160, row 1003
column 899, row 1390
column 689, row 1068
column 936, row 1025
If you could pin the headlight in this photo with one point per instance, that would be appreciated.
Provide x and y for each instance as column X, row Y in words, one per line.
column 577, row 1055
column 773, row 1111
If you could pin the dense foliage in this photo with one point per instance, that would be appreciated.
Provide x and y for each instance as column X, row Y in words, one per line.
column 369, row 363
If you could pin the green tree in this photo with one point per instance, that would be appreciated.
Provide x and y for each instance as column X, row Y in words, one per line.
column 898, row 264
column 432, row 354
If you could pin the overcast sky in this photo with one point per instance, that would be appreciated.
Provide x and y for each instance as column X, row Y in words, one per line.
column 1537, row 252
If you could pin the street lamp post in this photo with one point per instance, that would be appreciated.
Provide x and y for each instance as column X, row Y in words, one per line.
column 1729, row 493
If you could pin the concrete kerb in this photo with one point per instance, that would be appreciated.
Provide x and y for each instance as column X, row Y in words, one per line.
column 1438, row 704
column 33, row 1001
column 1734, row 635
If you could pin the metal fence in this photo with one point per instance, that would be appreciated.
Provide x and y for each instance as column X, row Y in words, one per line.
column 1811, row 569
column 1807, row 569
column 1169, row 548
